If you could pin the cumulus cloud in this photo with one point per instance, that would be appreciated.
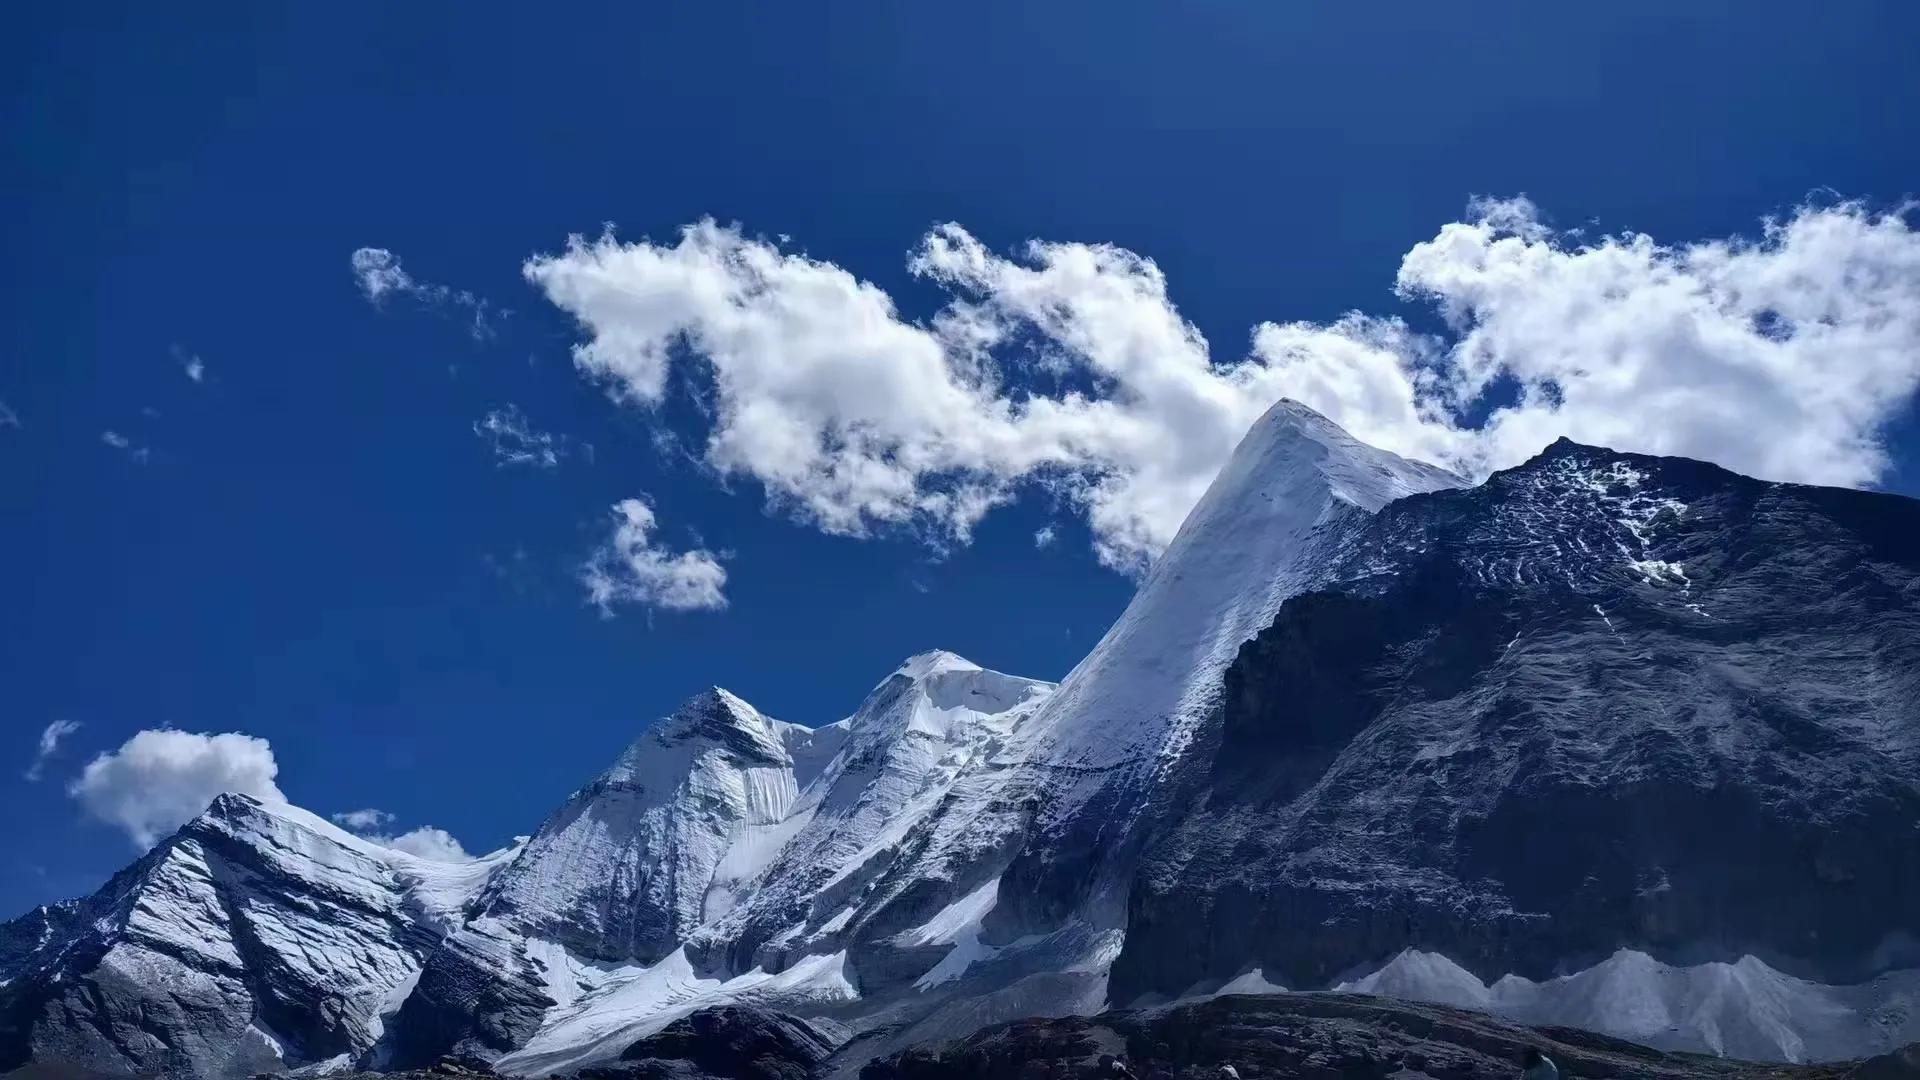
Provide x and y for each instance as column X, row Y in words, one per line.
column 51, row 737
column 380, row 276
column 515, row 442
column 1782, row 356
column 430, row 843
column 632, row 568
column 158, row 780
column 1068, row 365
column 425, row 842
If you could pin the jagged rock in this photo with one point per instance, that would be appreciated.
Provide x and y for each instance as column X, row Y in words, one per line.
column 1602, row 701
column 734, row 1042
column 1313, row 1037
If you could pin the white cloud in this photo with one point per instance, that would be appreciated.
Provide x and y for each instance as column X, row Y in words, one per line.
column 630, row 568
column 515, row 442
column 50, row 738
column 428, row 842
column 190, row 363
column 1043, row 538
column 380, row 275
column 1068, row 365
column 1783, row 357
column 368, row 820
column 379, row 272
column 159, row 780
column 425, row 842
column 8, row 418
column 139, row 455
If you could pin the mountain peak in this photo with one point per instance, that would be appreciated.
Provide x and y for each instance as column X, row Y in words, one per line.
column 932, row 662
column 1291, row 439
column 712, row 711
column 1247, row 545
column 714, row 718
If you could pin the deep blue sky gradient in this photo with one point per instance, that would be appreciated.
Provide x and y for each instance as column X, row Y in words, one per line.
column 320, row 552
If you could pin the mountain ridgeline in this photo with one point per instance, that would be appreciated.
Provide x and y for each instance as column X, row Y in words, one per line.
column 1615, row 742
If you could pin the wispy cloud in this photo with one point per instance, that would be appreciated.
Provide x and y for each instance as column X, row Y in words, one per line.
column 139, row 455
column 190, row 363
column 380, row 276
column 515, row 442
column 1043, row 538
column 50, row 739
column 426, row 842
column 8, row 418
column 362, row 820
column 633, row 568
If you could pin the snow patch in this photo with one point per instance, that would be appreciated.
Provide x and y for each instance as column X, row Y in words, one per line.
column 958, row 918
column 1743, row 1009
column 1252, row 982
column 640, row 1001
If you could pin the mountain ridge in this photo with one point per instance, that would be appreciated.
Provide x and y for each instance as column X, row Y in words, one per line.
column 1317, row 751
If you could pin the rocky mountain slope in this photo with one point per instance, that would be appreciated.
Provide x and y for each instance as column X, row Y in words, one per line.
column 1600, row 702
column 1320, row 1035
column 254, row 936
column 1625, row 743
column 1312, row 1034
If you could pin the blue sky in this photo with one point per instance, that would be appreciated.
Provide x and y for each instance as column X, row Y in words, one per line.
column 310, row 544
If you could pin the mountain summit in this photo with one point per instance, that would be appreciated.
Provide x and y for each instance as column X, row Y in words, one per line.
column 1609, row 741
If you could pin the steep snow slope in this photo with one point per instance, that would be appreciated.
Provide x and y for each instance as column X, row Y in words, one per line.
column 663, row 839
column 258, row 935
column 1105, row 747
column 909, row 742
column 1246, row 547
column 800, row 930
column 1056, row 814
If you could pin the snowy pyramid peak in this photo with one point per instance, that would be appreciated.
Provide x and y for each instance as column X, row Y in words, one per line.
column 933, row 662
column 1251, row 541
column 713, row 717
column 940, row 688
column 1292, row 438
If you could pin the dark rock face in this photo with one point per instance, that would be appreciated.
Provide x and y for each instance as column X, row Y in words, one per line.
column 734, row 1042
column 477, row 997
column 1601, row 701
column 1313, row 1037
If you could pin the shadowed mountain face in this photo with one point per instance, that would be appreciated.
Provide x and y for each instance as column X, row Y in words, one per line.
column 1320, row 1036
column 1599, row 702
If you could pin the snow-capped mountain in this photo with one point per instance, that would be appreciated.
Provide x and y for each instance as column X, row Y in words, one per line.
column 1123, row 723
column 1620, row 742
column 255, row 935
column 663, row 840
